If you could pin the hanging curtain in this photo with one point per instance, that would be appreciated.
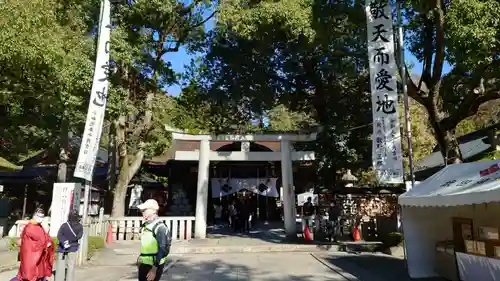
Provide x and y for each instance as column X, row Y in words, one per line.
column 265, row 187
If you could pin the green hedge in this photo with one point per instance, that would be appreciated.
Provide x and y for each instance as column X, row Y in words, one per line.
column 95, row 243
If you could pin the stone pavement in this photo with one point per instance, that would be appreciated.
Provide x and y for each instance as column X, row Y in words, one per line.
column 8, row 260
column 250, row 266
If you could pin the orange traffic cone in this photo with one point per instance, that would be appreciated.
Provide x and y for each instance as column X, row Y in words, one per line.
column 109, row 234
column 307, row 234
column 356, row 235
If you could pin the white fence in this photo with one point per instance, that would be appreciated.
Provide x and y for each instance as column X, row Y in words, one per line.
column 128, row 228
column 124, row 228
column 97, row 226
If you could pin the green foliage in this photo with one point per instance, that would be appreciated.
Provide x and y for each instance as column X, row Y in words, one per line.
column 463, row 33
column 298, row 64
column 6, row 165
column 285, row 120
column 95, row 244
column 145, row 32
column 45, row 74
column 494, row 155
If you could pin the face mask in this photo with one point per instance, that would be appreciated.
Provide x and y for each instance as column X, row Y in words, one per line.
column 38, row 219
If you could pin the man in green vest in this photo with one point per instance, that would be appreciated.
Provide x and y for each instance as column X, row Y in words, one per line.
column 155, row 242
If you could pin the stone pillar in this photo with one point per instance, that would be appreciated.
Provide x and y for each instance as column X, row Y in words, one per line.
column 200, row 222
column 288, row 193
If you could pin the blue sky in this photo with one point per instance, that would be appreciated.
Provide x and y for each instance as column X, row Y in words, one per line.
column 180, row 59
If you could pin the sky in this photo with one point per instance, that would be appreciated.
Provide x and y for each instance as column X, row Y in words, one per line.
column 182, row 58
column 178, row 60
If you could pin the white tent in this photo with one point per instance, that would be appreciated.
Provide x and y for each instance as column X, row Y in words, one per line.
column 456, row 191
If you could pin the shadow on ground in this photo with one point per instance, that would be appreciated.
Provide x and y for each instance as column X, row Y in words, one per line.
column 222, row 270
column 272, row 232
column 372, row 267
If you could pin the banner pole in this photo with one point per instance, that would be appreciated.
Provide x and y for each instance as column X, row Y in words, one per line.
column 402, row 71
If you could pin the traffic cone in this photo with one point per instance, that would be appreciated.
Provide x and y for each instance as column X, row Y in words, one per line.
column 356, row 235
column 109, row 234
column 307, row 234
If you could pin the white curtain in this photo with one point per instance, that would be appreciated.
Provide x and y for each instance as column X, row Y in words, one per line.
column 226, row 186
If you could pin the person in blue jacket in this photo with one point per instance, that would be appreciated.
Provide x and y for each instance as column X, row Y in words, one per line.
column 69, row 236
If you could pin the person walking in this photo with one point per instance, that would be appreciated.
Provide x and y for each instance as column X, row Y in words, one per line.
column 217, row 213
column 244, row 215
column 155, row 243
column 36, row 250
column 69, row 236
column 232, row 215
column 334, row 212
column 307, row 214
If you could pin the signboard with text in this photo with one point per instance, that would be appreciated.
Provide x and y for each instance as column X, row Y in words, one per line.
column 98, row 97
column 386, row 148
column 62, row 200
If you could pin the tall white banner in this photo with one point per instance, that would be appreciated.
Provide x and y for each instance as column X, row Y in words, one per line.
column 98, row 97
column 387, row 155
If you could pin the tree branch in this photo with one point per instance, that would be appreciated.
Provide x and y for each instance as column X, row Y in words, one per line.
column 205, row 20
column 413, row 91
column 426, row 70
column 437, row 70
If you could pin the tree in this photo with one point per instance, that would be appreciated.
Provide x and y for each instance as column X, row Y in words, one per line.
column 465, row 34
column 307, row 57
column 423, row 141
column 284, row 120
column 45, row 75
column 144, row 32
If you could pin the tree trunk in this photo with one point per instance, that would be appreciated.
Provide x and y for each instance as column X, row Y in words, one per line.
column 129, row 165
column 448, row 144
column 128, row 168
column 120, row 191
column 63, row 152
column 112, row 157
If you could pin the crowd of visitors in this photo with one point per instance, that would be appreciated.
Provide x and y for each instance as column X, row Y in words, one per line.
column 237, row 214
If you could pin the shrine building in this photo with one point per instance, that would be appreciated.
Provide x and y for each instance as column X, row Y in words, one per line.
column 205, row 169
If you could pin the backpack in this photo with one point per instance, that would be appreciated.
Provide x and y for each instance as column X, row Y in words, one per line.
column 169, row 235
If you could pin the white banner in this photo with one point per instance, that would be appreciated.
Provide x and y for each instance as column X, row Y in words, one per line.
column 262, row 186
column 135, row 196
column 97, row 106
column 302, row 198
column 387, row 156
column 62, row 195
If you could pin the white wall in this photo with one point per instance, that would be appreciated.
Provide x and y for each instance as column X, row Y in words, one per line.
column 244, row 156
column 424, row 227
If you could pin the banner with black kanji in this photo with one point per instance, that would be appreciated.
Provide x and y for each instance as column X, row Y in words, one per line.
column 386, row 138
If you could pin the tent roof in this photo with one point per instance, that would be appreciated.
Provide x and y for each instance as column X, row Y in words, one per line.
column 458, row 184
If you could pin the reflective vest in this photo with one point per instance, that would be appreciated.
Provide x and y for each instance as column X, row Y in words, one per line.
column 149, row 244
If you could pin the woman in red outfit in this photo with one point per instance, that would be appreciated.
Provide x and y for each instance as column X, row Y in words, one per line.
column 37, row 251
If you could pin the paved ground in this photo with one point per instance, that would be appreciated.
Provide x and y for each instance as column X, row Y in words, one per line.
column 250, row 266
column 296, row 266
column 258, row 256
column 369, row 266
